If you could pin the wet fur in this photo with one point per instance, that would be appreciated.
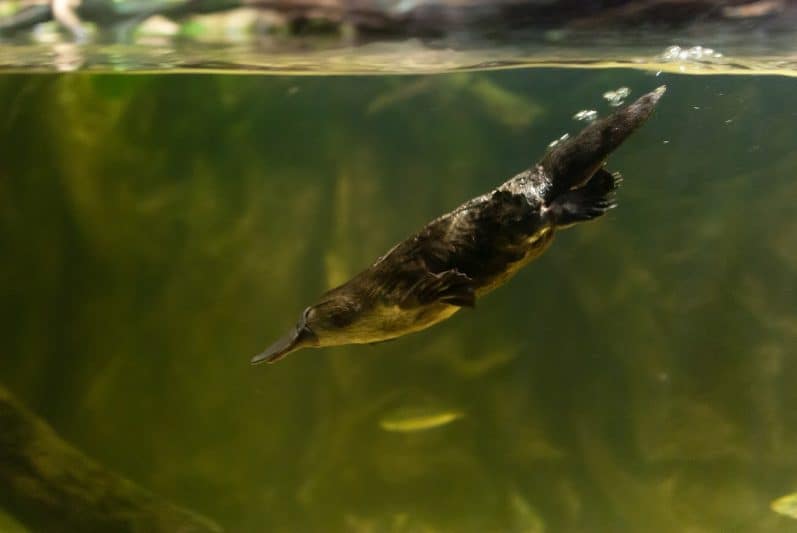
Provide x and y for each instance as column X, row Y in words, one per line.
column 483, row 243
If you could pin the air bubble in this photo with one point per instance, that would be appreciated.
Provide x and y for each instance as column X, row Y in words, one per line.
column 617, row 97
column 586, row 115
column 560, row 139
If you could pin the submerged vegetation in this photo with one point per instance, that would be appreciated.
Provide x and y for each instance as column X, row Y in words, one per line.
column 52, row 486
column 639, row 376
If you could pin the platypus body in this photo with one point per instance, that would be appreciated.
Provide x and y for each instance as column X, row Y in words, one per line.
column 464, row 254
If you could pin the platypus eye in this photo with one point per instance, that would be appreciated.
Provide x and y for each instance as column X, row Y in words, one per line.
column 303, row 329
column 306, row 315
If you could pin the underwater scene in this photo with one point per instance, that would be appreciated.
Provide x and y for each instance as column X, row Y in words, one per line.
column 157, row 231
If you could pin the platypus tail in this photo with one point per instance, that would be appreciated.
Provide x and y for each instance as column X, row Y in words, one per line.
column 572, row 162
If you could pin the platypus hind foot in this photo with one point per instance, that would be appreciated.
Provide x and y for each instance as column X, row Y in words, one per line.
column 587, row 202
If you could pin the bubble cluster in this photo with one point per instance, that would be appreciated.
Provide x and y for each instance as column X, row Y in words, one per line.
column 586, row 115
column 617, row 97
column 695, row 53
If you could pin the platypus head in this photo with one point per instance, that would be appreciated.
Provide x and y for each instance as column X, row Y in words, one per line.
column 323, row 324
column 573, row 161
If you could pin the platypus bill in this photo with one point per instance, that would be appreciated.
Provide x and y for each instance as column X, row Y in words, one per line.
column 470, row 251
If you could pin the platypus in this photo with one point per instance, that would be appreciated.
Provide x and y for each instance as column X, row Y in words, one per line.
column 462, row 255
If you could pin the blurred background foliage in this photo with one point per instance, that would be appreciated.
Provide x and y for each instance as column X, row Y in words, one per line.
column 236, row 20
column 157, row 231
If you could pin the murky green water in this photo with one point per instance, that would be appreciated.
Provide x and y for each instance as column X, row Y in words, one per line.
column 158, row 231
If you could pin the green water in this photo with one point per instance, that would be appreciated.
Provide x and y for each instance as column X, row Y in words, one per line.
column 158, row 231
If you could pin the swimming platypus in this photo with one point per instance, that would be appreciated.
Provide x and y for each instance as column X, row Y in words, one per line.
column 470, row 251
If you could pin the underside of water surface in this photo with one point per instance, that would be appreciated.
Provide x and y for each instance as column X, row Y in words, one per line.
column 157, row 231
column 407, row 36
